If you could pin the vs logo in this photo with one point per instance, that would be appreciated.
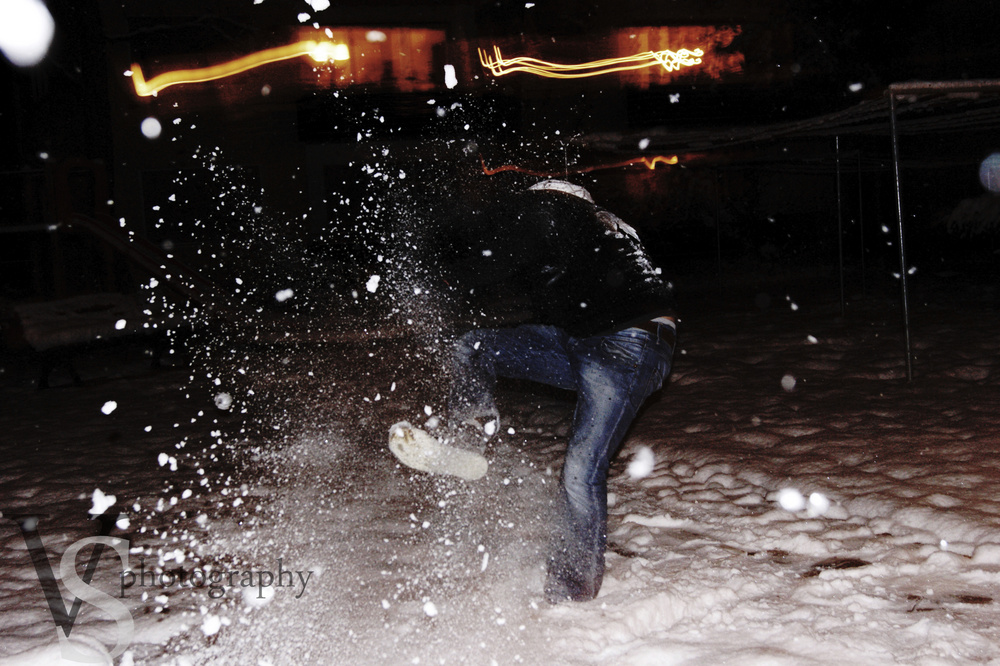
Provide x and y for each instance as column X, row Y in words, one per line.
column 65, row 618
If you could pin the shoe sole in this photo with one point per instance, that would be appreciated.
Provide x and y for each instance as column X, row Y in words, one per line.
column 418, row 450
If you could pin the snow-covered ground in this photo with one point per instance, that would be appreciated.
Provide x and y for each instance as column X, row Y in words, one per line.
column 803, row 504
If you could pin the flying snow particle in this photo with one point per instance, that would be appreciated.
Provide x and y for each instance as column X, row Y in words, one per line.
column 319, row 5
column 791, row 499
column 643, row 144
column 375, row 36
column 818, row 504
column 490, row 428
column 211, row 625
column 151, row 128
column 123, row 523
column 26, row 29
column 430, row 610
column 223, row 401
column 811, row 339
column 372, row 284
column 109, row 407
column 856, row 87
column 642, row 463
column 450, row 79
column 788, row 383
column 303, row 17
column 101, row 502
column 257, row 597
column 675, row 98
column 284, row 295
column 120, row 325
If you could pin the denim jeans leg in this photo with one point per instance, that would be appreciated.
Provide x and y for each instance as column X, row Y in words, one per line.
column 615, row 375
column 537, row 353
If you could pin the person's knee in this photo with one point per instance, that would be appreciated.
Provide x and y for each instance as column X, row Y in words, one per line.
column 470, row 344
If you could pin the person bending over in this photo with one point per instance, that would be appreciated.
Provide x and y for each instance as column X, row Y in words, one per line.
column 599, row 320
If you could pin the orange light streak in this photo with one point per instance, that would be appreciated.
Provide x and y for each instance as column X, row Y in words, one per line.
column 320, row 51
column 669, row 60
column 649, row 162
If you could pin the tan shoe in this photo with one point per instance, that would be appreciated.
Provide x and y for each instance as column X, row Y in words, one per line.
column 418, row 450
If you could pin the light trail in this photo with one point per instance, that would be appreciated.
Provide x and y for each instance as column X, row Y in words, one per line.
column 649, row 162
column 669, row 60
column 320, row 51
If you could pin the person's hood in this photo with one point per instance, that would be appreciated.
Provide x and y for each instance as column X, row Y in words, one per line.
column 563, row 186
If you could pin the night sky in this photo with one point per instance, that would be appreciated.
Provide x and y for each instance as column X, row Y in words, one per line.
column 801, row 60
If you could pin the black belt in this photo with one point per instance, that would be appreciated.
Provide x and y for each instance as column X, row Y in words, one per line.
column 661, row 331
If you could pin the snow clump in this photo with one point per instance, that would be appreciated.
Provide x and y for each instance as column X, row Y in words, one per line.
column 642, row 463
column 101, row 502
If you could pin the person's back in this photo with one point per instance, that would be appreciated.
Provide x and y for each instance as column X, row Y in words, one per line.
column 574, row 264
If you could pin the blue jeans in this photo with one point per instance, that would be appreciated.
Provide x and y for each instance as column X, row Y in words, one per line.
column 612, row 376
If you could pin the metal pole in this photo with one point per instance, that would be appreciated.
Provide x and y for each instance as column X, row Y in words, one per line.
column 861, row 228
column 840, row 235
column 904, row 292
column 718, row 230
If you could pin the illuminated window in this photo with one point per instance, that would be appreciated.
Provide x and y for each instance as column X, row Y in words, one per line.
column 716, row 62
column 400, row 58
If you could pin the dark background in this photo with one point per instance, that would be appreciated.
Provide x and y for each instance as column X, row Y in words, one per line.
column 742, row 224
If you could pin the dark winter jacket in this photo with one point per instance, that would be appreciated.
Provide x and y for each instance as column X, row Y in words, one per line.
column 567, row 261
